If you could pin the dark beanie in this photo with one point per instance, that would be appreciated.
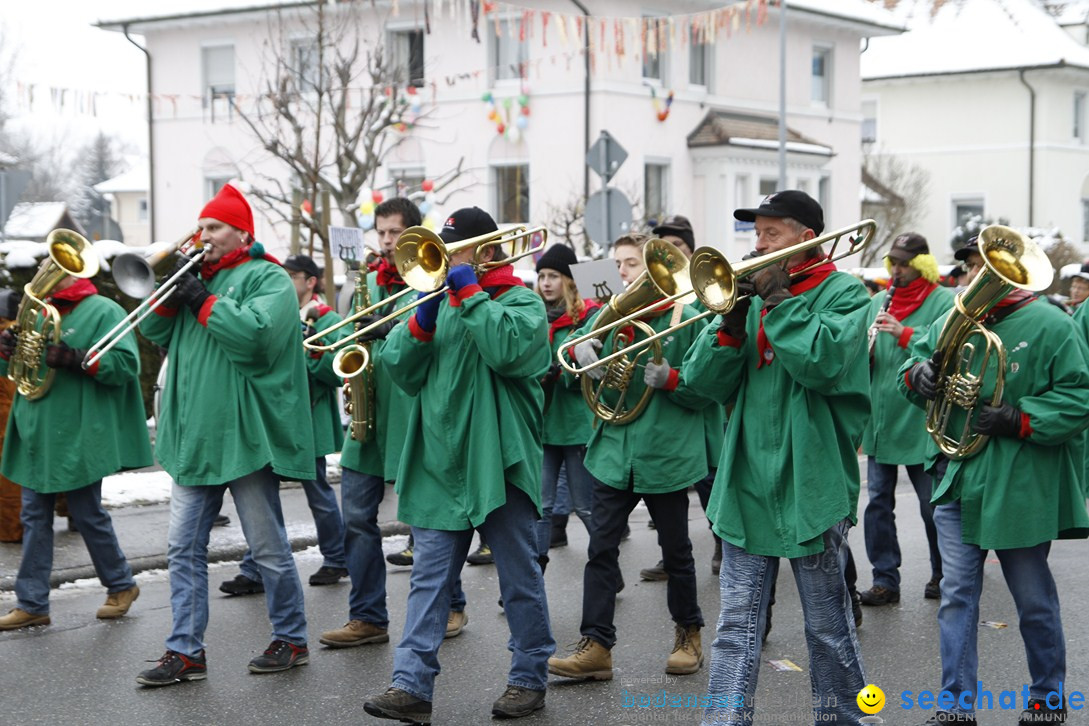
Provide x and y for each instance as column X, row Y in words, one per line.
column 558, row 257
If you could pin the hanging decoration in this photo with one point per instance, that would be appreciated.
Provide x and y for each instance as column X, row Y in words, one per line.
column 509, row 122
column 661, row 109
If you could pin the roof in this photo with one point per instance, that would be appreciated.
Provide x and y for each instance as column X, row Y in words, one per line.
column 871, row 18
column 35, row 220
column 971, row 36
column 727, row 128
column 133, row 180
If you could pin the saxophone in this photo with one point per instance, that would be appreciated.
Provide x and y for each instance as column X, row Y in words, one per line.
column 353, row 364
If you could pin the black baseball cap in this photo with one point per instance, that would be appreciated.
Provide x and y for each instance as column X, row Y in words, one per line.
column 302, row 263
column 466, row 223
column 790, row 203
column 678, row 226
column 907, row 247
column 971, row 247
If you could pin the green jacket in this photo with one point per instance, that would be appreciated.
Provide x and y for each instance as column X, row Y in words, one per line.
column 665, row 449
column 476, row 416
column 1021, row 492
column 88, row 425
column 895, row 433
column 382, row 454
column 236, row 386
column 1081, row 322
column 324, row 389
column 789, row 467
column 567, row 418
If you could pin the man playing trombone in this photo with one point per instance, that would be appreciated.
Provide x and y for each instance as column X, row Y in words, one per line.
column 792, row 360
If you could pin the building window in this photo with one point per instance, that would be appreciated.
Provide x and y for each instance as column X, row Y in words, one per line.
column 509, row 51
column 512, row 193
column 218, row 65
column 869, row 122
column 1079, row 116
column 407, row 180
column 304, row 64
column 655, row 190
column 407, row 57
column 655, row 55
column 965, row 208
column 1085, row 219
column 768, row 185
column 824, row 192
column 141, row 210
column 821, row 76
column 699, row 61
column 212, row 185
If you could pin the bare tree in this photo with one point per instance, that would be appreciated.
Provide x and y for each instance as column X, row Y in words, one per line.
column 897, row 198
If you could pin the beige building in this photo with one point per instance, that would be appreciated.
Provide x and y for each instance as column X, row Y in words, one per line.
column 128, row 197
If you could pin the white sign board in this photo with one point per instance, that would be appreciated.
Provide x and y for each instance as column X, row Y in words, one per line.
column 347, row 243
column 598, row 279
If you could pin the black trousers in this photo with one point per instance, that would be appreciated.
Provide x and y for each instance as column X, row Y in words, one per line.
column 609, row 512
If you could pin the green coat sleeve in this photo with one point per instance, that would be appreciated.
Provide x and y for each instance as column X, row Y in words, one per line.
column 714, row 371
column 320, row 364
column 407, row 359
column 508, row 332
column 158, row 327
column 920, row 351
column 252, row 331
column 694, row 398
column 1060, row 412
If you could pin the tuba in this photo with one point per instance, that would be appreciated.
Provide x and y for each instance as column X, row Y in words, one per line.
column 353, row 363
column 1010, row 260
column 38, row 323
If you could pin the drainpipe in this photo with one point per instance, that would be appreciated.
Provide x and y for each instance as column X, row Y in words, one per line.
column 1032, row 147
column 150, row 140
column 585, row 102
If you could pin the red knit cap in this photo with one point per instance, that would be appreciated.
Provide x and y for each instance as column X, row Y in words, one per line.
column 230, row 207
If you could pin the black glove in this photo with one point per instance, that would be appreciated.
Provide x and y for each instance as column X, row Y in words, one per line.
column 1004, row 420
column 733, row 322
column 379, row 333
column 553, row 375
column 61, row 355
column 8, row 341
column 923, row 376
column 772, row 284
column 190, row 291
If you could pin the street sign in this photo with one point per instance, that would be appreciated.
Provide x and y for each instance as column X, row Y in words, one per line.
column 606, row 156
column 608, row 215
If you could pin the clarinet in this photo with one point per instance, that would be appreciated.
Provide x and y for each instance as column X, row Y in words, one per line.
column 884, row 308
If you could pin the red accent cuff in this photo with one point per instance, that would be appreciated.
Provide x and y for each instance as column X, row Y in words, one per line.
column 206, row 310
column 424, row 336
column 92, row 370
column 907, row 379
column 165, row 311
column 726, row 340
column 674, row 379
column 465, row 293
column 905, row 337
column 1026, row 426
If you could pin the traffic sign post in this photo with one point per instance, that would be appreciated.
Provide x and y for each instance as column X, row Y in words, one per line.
column 608, row 212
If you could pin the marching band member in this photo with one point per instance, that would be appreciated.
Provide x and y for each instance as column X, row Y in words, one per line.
column 654, row 458
column 1020, row 492
column 236, row 388
column 328, row 432
column 90, row 424
column 792, row 360
column 897, row 436
column 471, row 464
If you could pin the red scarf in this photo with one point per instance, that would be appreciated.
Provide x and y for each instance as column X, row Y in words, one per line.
column 906, row 299
column 66, row 299
column 765, row 354
column 387, row 275
column 565, row 321
column 1017, row 299
column 235, row 258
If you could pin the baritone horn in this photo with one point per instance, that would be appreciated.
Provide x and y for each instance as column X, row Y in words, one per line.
column 1010, row 261
column 38, row 323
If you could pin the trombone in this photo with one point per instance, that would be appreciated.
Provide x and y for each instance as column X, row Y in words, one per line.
column 713, row 280
column 423, row 261
column 134, row 275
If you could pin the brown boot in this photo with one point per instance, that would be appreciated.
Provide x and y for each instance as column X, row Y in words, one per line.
column 356, row 632
column 591, row 660
column 19, row 618
column 455, row 623
column 687, row 655
column 118, row 603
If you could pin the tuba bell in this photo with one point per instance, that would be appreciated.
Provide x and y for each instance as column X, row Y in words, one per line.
column 1010, row 261
column 38, row 323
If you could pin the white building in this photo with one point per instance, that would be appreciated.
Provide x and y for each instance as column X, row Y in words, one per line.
column 128, row 198
column 990, row 98
column 714, row 149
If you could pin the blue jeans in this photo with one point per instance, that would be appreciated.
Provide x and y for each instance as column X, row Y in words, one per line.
column 323, row 506
column 437, row 561
column 1033, row 588
column 361, row 494
column 192, row 510
column 579, row 483
column 96, row 528
column 882, row 546
column 835, row 661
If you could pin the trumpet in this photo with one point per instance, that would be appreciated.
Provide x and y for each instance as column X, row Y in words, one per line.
column 713, row 280
column 135, row 276
column 423, row 261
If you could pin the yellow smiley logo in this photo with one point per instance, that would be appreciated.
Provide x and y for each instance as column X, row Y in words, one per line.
column 871, row 699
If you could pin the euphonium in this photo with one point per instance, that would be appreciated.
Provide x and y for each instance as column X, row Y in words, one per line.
column 37, row 322
column 1010, row 261
column 353, row 363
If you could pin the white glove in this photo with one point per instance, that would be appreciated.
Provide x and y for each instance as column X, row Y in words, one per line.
column 586, row 355
column 656, row 375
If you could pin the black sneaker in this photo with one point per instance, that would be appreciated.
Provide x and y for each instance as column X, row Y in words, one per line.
column 175, row 668
column 517, row 702
column 1039, row 712
column 221, row 520
column 878, row 595
column 396, row 704
column 933, row 589
column 402, row 558
column 328, row 575
column 856, row 607
column 656, row 573
column 241, row 585
column 482, row 556
column 280, row 656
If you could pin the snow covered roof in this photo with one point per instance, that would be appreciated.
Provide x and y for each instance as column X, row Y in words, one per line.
column 181, row 10
column 35, row 220
column 971, row 36
column 728, row 128
column 1069, row 12
column 875, row 19
column 133, row 180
